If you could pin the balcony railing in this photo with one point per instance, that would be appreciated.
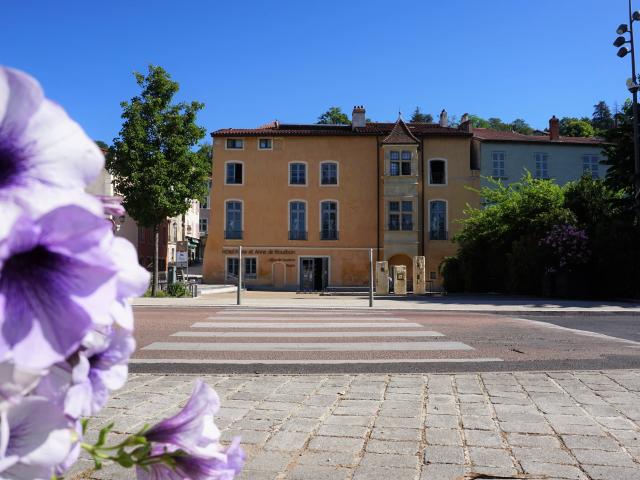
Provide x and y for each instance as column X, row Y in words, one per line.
column 233, row 234
column 438, row 235
column 297, row 235
column 328, row 235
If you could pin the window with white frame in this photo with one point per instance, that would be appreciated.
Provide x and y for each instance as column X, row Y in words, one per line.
column 232, row 268
column 233, row 219
column 297, row 174
column 437, row 172
column 297, row 220
column 265, row 144
column 438, row 220
column 235, row 144
column 205, row 202
column 250, row 268
column 328, row 173
column 590, row 165
column 204, row 225
column 401, row 215
column 233, row 173
column 329, row 220
column 542, row 165
column 497, row 161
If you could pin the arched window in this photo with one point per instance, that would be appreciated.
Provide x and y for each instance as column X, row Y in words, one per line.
column 438, row 220
column 297, row 220
column 328, row 173
column 328, row 220
column 233, row 220
column 233, row 173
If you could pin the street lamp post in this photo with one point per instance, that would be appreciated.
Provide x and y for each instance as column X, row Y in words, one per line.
column 633, row 88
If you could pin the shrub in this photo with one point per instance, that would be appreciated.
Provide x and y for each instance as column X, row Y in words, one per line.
column 451, row 270
column 178, row 290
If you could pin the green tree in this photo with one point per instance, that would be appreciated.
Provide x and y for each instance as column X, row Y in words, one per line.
column 334, row 116
column 478, row 122
column 520, row 126
column 497, row 124
column 495, row 239
column 536, row 237
column 619, row 154
column 102, row 145
column 155, row 168
column 601, row 120
column 575, row 127
column 419, row 117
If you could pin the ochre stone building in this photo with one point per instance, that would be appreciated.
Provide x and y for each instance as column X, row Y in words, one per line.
column 307, row 202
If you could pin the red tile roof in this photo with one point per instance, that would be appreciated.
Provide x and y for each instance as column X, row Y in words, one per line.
column 487, row 134
column 276, row 129
column 400, row 135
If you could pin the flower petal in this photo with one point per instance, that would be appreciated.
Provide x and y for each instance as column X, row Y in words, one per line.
column 60, row 153
column 20, row 97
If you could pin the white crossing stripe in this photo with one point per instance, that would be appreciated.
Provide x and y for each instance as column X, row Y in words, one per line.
column 307, row 346
column 306, row 313
column 402, row 333
column 345, row 318
column 209, row 361
column 304, row 325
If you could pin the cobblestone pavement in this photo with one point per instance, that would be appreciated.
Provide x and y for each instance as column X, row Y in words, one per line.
column 557, row 425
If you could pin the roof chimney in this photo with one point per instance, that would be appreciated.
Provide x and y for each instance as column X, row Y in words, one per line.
column 444, row 122
column 358, row 119
column 554, row 128
column 465, row 123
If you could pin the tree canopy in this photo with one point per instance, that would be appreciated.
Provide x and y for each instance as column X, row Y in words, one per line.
column 419, row 117
column 334, row 116
column 601, row 119
column 619, row 153
column 536, row 237
column 576, row 127
column 155, row 168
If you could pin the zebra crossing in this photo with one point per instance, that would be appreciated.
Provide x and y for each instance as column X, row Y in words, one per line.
column 255, row 336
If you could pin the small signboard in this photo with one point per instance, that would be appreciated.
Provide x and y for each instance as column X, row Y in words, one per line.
column 182, row 259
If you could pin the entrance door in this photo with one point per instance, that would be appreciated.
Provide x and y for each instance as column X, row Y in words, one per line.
column 314, row 274
column 279, row 275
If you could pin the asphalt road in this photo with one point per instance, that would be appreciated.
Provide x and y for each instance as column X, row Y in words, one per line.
column 261, row 340
column 621, row 326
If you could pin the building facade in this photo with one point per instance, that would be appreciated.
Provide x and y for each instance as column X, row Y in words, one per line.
column 205, row 214
column 124, row 226
column 176, row 234
column 308, row 202
column 508, row 155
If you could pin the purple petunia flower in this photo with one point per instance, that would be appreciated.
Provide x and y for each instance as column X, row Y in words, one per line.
column 81, row 385
column 57, row 280
column 35, row 436
column 194, row 467
column 15, row 382
column 112, row 205
column 46, row 159
column 193, row 428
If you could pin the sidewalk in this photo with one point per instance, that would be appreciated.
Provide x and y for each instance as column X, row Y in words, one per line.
column 560, row 425
column 467, row 303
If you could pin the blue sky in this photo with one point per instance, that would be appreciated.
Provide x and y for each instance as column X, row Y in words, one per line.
column 254, row 61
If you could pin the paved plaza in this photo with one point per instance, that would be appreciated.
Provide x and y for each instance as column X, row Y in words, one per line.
column 558, row 425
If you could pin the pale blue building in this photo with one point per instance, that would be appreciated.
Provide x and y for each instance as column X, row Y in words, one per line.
column 506, row 155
